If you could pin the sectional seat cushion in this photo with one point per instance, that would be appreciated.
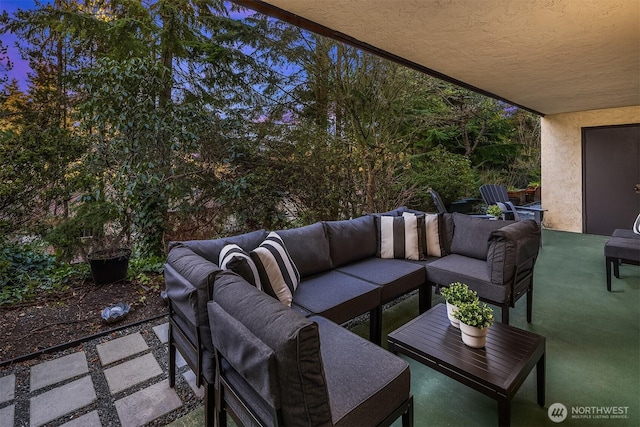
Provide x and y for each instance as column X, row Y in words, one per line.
column 471, row 235
column 400, row 237
column 210, row 249
column 294, row 340
column 337, row 296
column 471, row 271
column 309, row 248
column 363, row 380
column 279, row 276
column 351, row 239
column 234, row 258
column 396, row 277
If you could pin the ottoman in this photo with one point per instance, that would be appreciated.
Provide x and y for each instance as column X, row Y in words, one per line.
column 620, row 249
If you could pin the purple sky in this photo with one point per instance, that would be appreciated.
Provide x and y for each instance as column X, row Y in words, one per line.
column 20, row 66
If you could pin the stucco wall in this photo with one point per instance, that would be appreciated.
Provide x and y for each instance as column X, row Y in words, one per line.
column 561, row 158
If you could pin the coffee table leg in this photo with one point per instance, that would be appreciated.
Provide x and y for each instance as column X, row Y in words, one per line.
column 540, row 371
column 504, row 412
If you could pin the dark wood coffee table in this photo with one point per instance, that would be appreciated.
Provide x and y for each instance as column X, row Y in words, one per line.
column 498, row 370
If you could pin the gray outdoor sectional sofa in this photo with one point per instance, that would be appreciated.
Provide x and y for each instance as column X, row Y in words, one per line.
column 345, row 269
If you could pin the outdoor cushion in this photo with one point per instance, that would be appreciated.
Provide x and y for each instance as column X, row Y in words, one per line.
column 364, row 381
column 309, row 248
column 337, row 296
column 432, row 226
column 511, row 246
column 471, row 235
column 351, row 239
column 395, row 276
column 471, row 271
column 401, row 237
column 623, row 248
column 234, row 258
column 210, row 249
column 294, row 340
column 279, row 276
column 189, row 281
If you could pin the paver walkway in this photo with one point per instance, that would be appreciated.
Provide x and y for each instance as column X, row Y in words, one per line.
column 119, row 379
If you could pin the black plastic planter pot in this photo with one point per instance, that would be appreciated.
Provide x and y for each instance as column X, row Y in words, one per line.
column 109, row 265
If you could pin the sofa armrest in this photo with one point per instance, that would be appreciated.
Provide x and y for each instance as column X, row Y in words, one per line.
column 511, row 249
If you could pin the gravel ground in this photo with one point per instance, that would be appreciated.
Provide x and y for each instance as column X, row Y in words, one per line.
column 105, row 400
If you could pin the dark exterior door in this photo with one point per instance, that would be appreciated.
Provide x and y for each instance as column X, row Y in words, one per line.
column 611, row 169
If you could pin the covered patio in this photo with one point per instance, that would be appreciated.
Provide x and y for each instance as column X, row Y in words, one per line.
column 592, row 360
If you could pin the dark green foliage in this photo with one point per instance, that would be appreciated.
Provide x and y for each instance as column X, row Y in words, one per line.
column 26, row 269
column 448, row 173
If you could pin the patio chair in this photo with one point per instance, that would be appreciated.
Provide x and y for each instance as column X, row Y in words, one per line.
column 495, row 194
column 438, row 201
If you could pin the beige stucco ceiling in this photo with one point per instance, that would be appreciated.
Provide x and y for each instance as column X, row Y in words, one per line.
column 551, row 56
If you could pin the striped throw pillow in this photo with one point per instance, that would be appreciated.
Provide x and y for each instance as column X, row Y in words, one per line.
column 234, row 258
column 636, row 225
column 432, row 233
column 400, row 237
column 278, row 274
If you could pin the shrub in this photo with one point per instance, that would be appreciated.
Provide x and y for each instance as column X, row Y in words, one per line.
column 448, row 173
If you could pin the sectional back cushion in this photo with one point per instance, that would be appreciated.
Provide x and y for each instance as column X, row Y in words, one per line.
column 309, row 248
column 279, row 275
column 471, row 235
column 210, row 249
column 400, row 237
column 351, row 239
column 511, row 246
column 295, row 342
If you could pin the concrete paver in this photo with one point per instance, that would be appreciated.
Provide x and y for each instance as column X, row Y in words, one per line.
column 61, row 400
column 57, row 370
column 162, row 332
column 7, row 415
column 7, row 388
column 147, row 404
column 92, row 419
column 132, row 372
column 190, row 377
column 121, row 348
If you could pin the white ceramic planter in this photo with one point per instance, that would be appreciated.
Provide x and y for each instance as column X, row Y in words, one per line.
column 472, row 336
column 450, row 309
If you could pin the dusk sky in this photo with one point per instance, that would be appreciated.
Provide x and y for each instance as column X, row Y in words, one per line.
column 20, row 67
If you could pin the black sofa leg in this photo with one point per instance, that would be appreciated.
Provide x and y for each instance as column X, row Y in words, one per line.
column 210, row 413
column 424, row 297
column 375, row 325
column 505, row 314
column 529, row 304
column 608, row 261
column 172, row 358
column 407, row 417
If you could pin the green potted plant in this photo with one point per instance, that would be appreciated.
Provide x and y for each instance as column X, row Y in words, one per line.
column 97, row 233
column 495, row 211
column 455, row 294
column 475, row 319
